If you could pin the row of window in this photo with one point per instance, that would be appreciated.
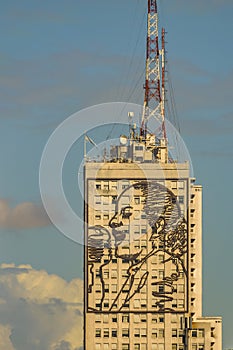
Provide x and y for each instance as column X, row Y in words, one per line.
column 196, row 333
column 138, row 332
column 144, row 347
column 127, row 347
column 142, row 332
column 142, row 303
column 126, row 318
column 113, row 287
column 107, row 185
column 126, row 200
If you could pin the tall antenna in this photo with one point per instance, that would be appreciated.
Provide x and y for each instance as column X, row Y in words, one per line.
column 154, row 103
column 163, row 112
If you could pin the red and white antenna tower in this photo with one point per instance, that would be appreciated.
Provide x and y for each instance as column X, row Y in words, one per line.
column 154, row 100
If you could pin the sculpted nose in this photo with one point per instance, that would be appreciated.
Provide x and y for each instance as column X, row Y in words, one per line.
column 114, row 222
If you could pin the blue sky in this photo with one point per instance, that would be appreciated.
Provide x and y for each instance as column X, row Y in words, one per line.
column 59, row 57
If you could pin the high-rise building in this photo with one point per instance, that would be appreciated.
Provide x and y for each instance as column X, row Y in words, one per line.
column 143, row 244
column 143, row 253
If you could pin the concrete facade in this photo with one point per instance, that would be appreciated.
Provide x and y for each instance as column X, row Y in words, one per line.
column 143, row 253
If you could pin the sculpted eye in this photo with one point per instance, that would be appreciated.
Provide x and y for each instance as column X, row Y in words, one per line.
column 126, row 212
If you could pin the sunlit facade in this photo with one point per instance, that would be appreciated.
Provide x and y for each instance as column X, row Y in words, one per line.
column 143, row 253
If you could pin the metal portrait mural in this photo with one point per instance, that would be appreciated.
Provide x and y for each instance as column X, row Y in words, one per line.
column 139, row 256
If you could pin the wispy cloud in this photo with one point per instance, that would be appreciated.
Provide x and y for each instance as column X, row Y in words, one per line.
column 198, row 6
column 38, row 310
column 24, row 216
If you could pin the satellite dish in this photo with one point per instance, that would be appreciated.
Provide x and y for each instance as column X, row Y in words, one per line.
column 123, row 139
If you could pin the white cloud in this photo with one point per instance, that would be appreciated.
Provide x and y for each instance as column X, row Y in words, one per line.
column 23, row 216
column 39, row 311
column 5, row 342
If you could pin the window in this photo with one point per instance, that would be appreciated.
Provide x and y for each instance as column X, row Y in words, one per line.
column 125, row 318
column 181, row 184
column 161, row 347
column 161, row 289
column 97, row 346
column 125, row 202
column 136, row 346
column 201, row 347
column 174, row 347
column 174, row 333
column 173, row 318
column 194, row 346
column 137, row 332
column 143, row 347
column 161, row 274
column 143, row 230
column 98, row 318
column 161, row 319
column 143, row 302
column 180, row 303
column 106, row 274
column 113, row 185
column 161, row 257
column 143, row 332
column 161, row 333
column 98, row 288
column 97, row 217
column 180, row 288
column 125, row 346
column 114, row 346
column 114, row 319
column 114, row 273
column 212, row 331
column 136, row 319
column 125, row 184
column 114, row 333
column 106, row 217
column 106, row 186
column 136, row 303
column 136, row 200
column 114, row 288
column 98, row 185
column 154, row 333
column 181, row 333
column 154, row 320
column 97, row 200
column 154, row 260
column 194, row 333
column 106, row 333
column 106, row 318
column 114, row 199
column 201, row 333
column 174, row 185
column 106, row 346
column 143, row 318
column 98, row 303
column 125, row 332
column 106, row 200
column 98, row 333
column 181, row 199
column 106, row 288
column 154, row 347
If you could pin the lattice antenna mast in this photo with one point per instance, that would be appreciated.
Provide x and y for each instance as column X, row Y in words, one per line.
column 163, row 99
column 152, row 99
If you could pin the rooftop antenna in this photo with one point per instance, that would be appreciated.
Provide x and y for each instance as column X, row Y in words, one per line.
column 154, row 102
